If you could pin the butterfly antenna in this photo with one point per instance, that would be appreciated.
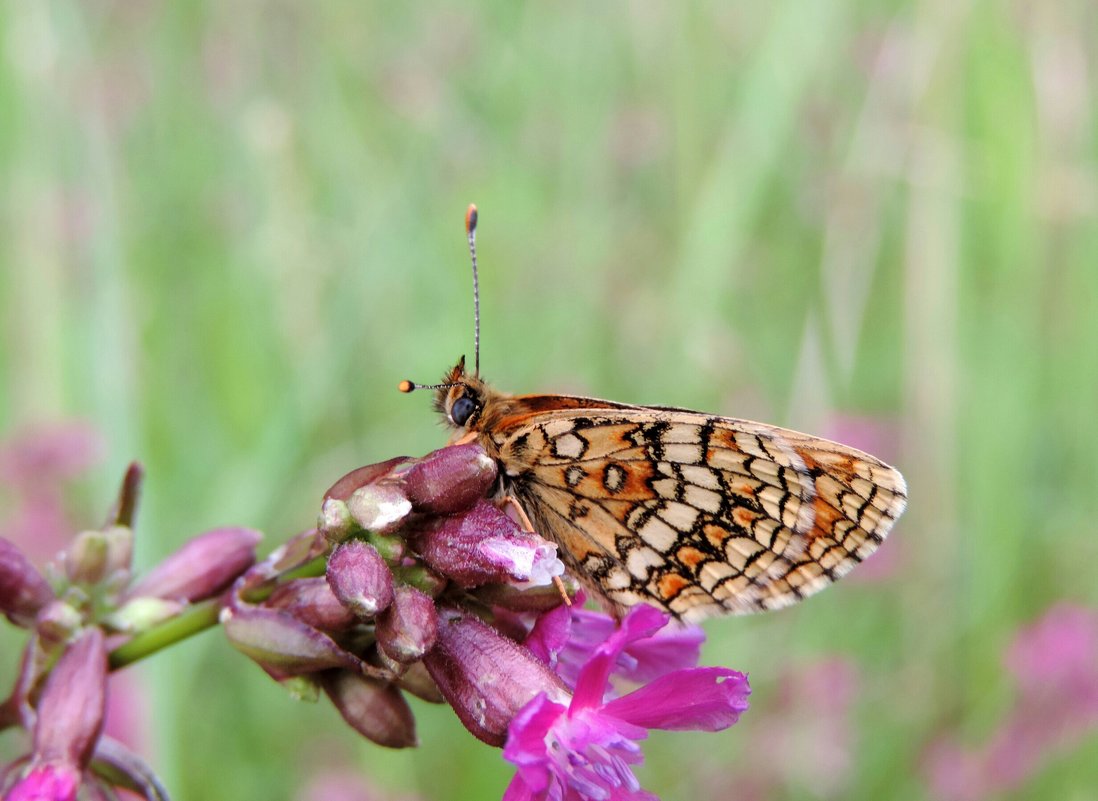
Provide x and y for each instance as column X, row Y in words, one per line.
column 471, row 232
column 412, row 386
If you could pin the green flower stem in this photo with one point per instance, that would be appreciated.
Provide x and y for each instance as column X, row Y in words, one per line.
column 195, row 619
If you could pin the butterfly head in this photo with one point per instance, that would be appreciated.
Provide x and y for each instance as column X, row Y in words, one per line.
column 460, row 398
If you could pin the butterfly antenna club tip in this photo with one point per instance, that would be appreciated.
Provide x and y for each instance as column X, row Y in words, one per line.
column 471, row 218
column 411, row 386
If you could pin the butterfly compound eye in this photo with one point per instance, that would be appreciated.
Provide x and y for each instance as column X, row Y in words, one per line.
column 462, row 410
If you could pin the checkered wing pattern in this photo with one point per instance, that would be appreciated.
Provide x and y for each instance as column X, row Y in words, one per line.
column 697, row 515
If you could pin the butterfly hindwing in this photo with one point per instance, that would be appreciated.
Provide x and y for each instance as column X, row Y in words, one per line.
column 696, row 514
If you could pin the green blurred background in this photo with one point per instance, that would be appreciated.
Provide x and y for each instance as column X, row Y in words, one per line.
column 229, row 229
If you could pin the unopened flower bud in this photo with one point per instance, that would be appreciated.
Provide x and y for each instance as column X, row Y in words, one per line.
column 360, row 578
column 98, row 555
column 282, row 643
column 204, row 567
column 486, row 546
column 296, row 552
column 335, row 521
column 343, row 489
column 379, row 507
column 312, row 601
column 450, row 479
column 70, row 712
column 409, row 626
column 486, row 677
column 125, row 507
column 374, row 709
column 141, row 613
column 23, row 590
column 57, row 621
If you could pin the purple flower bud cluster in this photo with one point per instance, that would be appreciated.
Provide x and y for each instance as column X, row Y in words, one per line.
column 430, row 588
column 91, row 598
column 418, row 567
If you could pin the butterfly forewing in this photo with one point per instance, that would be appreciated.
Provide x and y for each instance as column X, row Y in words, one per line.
column 698, row 515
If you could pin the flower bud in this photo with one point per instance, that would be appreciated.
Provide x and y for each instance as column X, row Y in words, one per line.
column 379, row 507
column 360, row 579
column 409, row 626
column 141, row 613
column 126, row 505
column 486, row 546
column 70, row 712
column 374, row 709
column 57, row 621
column 296, row 552
column 95, row 556
column 486, row 677
column 23, row 590
column 204, row 567
column 281, row 643
column 343, row 489
column 450, row 479
column 335, row 521
column 312, row 602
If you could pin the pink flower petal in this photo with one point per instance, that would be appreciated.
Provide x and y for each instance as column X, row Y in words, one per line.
column 642, row 621
column 550, row 633
column 705, row 699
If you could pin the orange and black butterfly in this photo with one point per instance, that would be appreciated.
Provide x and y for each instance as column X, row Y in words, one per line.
column 692, row 513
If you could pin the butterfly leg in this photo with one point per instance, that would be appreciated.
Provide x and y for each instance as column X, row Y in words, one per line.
column 524, row 521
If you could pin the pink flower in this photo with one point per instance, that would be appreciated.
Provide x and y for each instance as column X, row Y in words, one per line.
column 567, row 636
column 586, row 750
column 1055, row 664
column 34, row 469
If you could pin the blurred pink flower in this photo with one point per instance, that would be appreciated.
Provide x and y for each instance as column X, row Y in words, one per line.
column 34, row 466
column 808, row 714
column 1055, row 664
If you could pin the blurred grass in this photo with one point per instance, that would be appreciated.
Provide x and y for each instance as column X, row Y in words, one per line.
column 230, row 229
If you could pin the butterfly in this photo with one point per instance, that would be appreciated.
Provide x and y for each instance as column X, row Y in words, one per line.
column 692, row 513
